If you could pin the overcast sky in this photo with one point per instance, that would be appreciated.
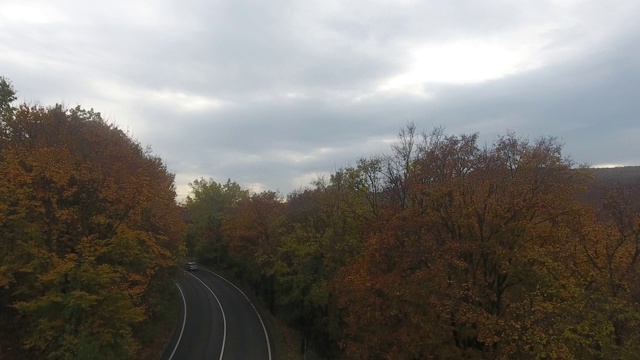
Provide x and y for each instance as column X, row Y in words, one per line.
column 272, row 94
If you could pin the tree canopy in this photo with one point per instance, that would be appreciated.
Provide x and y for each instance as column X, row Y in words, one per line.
column 90, row 232
column 444, row 249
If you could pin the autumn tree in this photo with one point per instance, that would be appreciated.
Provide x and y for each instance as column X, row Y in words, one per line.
column 443, row 249
column 323, row 233
column 90, row 232
column 254, row 229
column 470, row 267
column 206, row 206
column 605, row 262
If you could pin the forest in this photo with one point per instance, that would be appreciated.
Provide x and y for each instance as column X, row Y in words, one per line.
column 441, row 249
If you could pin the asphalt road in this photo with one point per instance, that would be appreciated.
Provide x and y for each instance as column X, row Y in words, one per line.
column 217, row 321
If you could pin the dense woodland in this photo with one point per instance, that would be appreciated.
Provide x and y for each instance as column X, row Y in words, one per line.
column 90, row 234
column 442, row 249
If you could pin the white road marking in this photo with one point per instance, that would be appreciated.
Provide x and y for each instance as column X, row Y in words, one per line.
column 224, row 318
column 264, row 328
column 184, row 321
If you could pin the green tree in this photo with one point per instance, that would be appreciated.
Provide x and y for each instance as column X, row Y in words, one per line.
column 7, row 97
column 207, row 204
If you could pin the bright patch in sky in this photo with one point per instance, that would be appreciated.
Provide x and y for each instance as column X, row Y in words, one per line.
column 459, row 63
column 175, row 99
column 302, row 157
column 188, row 102
column 256, row 187
column 305, row 179
column 608, row 165
column 18, row 13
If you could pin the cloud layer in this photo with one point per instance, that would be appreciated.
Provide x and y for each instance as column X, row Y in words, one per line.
column 273, row 93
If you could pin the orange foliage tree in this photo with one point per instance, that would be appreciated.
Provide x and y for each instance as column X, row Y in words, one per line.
column 480, row 259
column 253, row 229
column 90, row 230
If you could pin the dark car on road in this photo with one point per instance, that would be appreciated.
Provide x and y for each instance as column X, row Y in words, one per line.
column 190, row 266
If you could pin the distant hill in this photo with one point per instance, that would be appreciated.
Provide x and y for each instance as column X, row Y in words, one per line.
column 606, row 179
column 626, row 175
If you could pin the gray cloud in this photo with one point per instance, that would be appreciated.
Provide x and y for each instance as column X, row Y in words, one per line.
column 271, row 93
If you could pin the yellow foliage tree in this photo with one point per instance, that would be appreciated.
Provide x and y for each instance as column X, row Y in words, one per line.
column 89, row 224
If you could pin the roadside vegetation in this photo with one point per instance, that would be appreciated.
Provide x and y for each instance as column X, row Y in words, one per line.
column 287, row 342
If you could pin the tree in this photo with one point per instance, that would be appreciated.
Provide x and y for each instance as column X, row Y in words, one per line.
column 253, row 229
column 469, row 267
column 208, row 202
column 89, row 225
column 7, row 96
column 398, row 165
column 606, row 264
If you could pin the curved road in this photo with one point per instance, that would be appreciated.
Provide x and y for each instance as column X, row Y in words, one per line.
column 217, row 321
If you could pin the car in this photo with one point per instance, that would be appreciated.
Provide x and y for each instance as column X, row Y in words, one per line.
column 191, row 266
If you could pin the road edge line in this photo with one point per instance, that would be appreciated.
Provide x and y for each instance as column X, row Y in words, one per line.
column 264, row 328
column 224, row 317
column 184, row 322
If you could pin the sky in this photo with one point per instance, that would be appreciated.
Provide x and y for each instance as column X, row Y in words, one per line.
column 272, row 94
